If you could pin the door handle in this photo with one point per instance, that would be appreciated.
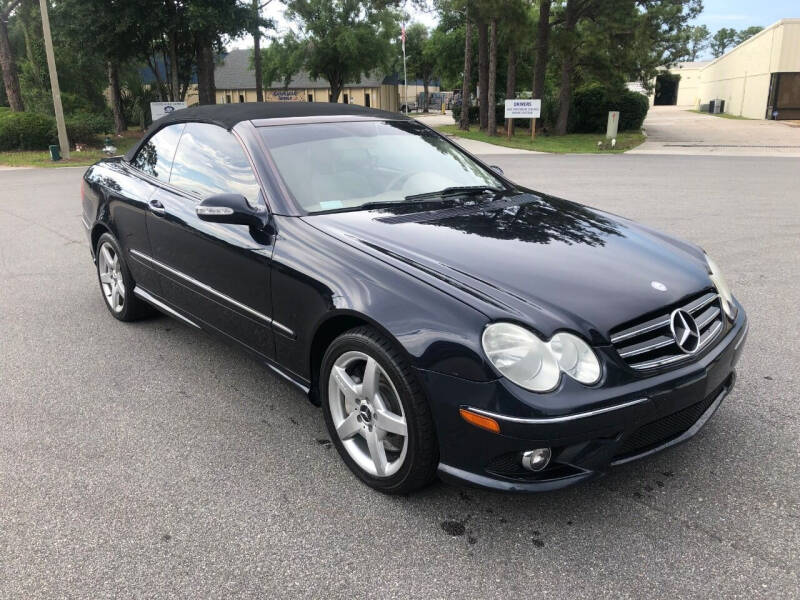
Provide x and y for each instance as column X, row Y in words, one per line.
column 157, row 208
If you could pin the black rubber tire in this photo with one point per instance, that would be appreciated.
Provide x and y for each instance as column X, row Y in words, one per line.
column 133, row 308
column 422, row 456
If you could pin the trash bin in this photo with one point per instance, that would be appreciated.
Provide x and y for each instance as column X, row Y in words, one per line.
column 55, row 153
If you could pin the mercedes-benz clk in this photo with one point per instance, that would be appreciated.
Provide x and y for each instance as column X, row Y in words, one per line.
column 444, row 318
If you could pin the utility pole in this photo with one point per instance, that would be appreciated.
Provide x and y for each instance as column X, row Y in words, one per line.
column 51, row 66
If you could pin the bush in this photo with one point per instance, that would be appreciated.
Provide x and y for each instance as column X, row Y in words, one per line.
column 26, row 131
column 83, row 128
column 592, row 103
column 633, row 109
column 33, row 131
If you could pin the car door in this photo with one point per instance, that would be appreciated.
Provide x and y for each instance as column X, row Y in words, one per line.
column 216, row 272
column 150, row 166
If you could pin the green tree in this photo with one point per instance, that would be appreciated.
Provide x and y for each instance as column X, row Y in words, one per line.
column 7, row 63
column 344, row 39
column 422, row 60
column 724, row 38
column 746, row 34
column 258, row 23
column 698, row 41
column 209, row 21
column 282, row 59
column 617, row 42
column 109, row 30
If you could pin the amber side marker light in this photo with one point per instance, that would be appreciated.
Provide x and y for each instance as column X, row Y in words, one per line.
column 486, row 423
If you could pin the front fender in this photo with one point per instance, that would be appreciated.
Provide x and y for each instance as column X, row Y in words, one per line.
column 317, row 278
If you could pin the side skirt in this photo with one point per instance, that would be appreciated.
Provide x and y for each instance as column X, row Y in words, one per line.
column 169, row 311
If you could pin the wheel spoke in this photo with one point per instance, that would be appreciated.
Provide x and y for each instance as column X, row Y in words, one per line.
column 377, row 453
column 105, row 278
column 390, row 422
column 114, row 296
column 349, row 427
column 121, row 288
column 107, row 257
column 371, row 374
column 346, row 385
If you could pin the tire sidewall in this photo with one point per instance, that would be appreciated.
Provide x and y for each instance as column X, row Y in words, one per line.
column 128, row 307
column 361, row 343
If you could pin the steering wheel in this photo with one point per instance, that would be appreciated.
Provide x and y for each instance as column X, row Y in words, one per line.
column 401, row 178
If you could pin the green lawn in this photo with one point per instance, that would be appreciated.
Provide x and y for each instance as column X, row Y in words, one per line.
column 89, row 156
column 580, row 143
column 723, row 115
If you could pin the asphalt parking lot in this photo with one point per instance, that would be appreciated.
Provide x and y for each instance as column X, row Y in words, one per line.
column 150, row 460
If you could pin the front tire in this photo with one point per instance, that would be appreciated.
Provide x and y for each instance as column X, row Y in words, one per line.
column 116, row 282
column 376, row 414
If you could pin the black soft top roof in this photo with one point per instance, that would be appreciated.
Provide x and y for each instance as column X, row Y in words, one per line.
column 228, row 115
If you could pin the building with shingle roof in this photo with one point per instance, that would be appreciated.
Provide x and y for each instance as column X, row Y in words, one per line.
column 236, row 82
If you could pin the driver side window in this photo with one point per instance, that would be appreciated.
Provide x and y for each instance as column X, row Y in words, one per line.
column 209, row 161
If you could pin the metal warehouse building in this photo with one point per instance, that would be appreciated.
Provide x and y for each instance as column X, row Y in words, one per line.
column 758, row 79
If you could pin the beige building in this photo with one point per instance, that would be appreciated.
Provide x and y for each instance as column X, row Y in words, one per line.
column 235, row 82
column 758, row 79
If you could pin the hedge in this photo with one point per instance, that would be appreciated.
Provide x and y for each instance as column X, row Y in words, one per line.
column 588, row 112
column 33, row 131
column 25, row 131
column 592, row 103
column 83, row 128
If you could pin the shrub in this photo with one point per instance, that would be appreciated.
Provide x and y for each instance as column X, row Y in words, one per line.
column 592, row 103
column 632, row 108
column 26, row 131
column 83, row 128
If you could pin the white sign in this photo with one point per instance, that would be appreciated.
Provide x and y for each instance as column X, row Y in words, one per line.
column 523, row 109
column 162, row 109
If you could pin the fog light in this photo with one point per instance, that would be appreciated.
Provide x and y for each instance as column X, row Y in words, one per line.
column 536, row 460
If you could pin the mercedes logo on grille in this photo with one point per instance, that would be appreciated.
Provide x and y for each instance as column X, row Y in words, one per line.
column 685, row 331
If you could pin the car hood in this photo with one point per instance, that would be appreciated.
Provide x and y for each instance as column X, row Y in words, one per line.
column 550, row 263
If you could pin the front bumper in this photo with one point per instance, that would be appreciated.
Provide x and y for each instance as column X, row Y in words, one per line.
column 589, row 429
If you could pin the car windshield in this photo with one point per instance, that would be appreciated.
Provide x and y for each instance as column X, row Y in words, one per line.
column 349, row 164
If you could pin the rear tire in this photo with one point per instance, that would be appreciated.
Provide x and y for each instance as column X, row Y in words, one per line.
column 376, row 413
column 116, row 282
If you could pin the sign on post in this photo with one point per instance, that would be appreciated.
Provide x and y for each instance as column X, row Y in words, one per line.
column 613, row 124
column 523, row 109
column 162, row 109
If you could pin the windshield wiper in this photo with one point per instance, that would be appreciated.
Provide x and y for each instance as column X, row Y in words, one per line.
column 427, row 196
column 455, row 191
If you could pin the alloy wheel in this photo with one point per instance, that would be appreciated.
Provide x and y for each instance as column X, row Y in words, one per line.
column 111, row 282
column 367, row 414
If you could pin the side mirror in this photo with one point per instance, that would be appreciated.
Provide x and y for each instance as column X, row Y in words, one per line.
column 232, row 209
column 496, row 169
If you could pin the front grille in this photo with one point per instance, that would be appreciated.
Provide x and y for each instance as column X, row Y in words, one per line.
column 650, row 344
column 663, row 430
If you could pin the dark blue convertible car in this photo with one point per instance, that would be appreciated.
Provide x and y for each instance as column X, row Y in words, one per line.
column 445, row 319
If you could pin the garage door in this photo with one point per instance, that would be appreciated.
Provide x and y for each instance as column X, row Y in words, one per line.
column 784, row 96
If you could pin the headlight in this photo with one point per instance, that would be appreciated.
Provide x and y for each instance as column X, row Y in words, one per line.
column 575, row 358
column 722, row 289
column 534, row 364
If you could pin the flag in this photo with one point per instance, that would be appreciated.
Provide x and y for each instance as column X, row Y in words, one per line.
column 403, row 36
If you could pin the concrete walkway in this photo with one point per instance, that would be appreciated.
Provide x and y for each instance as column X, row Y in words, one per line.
column 677, row 130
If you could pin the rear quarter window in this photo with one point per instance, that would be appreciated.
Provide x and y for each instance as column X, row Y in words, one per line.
column 156, row 154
